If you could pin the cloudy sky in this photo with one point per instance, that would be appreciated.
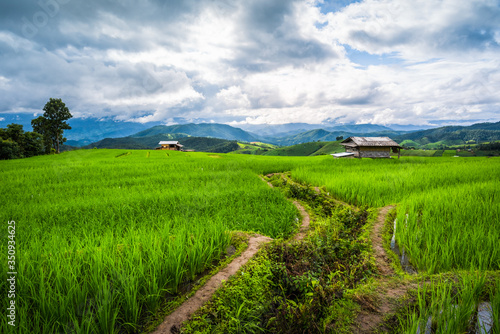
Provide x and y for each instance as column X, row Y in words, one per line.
column 254, row 61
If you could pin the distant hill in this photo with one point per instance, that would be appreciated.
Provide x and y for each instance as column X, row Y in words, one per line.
column 358, row 128
column 452, row 135
column 119, row 143
column 279, row 130
column 324, row 135
column 289, row 129
column 255, row 148
column 221, row 131
column 144, row 143
column 202, row 144
column 308, row 149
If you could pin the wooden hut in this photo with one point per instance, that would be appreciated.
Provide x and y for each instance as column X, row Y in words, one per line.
column 169, row 145
column 371, row 147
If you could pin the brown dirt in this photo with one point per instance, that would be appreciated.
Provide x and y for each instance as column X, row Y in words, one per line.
column 381, row 259
column 268, row 183
column 374, row 309
column 172, row 322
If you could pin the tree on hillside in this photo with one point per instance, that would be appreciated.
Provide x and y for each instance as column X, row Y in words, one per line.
column 33, row 144
column 38, row 125
column 52, row 124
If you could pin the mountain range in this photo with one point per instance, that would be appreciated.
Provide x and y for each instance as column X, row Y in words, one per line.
column 109, row 133
column 451, row 135
column 194, row 136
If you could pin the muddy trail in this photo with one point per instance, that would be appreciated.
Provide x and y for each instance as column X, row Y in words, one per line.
column 381, row 259
column 373, row 310
column 389, row 290
column 173, row 321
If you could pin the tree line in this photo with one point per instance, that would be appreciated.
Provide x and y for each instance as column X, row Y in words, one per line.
column 46, row 137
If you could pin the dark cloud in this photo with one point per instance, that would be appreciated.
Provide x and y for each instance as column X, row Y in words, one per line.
column 357, row 100
column 272, row 38
column 45, row 21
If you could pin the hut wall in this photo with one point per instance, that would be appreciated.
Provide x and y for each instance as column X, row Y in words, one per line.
column 169, row 147
column 353, row 150
column 375, row 152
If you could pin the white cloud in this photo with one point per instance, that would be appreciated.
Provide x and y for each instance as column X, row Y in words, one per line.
column 261, row 61
column 232, row 98
column 419, row 30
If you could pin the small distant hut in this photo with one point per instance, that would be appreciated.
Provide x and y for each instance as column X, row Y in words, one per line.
column 371, row 147
column 169, row 145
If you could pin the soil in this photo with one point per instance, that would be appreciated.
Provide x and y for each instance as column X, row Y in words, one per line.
column 381, row 259
column 173, row 322
column 374, row 309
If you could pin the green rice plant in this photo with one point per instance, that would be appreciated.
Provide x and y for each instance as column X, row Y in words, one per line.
column 101, row 241
column 134, row 231
column 445, row 307
column 452, row 228
column 494, row 296
column 453, row 215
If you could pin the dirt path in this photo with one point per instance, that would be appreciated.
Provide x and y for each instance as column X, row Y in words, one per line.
column 388, row 289
column 172, row 322
column 306, row 219
column 381, row 259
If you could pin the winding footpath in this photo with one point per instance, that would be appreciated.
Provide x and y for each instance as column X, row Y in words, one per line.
column 173, row 321
column 388, row 289
column 371, row 315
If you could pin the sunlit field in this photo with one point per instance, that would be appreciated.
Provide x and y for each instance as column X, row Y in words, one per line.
column 103, row 236
column 449, row 211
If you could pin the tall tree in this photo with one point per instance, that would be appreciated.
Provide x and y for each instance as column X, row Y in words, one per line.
column 32, row 144
column 52, row 124
column 15, row 132
column 39, row 125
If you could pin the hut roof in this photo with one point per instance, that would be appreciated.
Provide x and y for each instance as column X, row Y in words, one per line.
column 369, row 141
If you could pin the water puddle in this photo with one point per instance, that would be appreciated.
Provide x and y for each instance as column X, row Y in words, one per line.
column 484, row 322
column 428, row 327
column 403, row 258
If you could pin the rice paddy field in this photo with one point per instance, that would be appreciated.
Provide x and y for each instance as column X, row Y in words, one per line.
column 103, row 236
column 448, row 209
